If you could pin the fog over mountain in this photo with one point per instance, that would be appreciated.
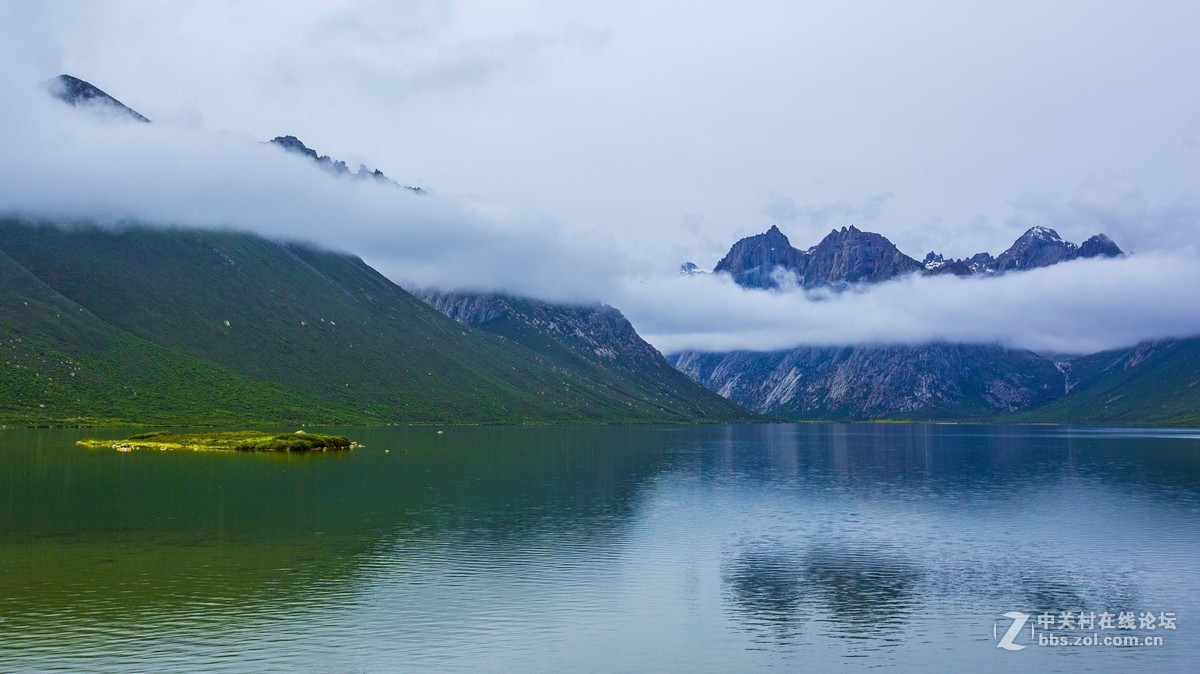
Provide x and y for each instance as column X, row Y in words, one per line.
column 575, row 155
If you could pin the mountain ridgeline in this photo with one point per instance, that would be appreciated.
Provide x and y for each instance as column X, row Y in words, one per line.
column 336, row 166
column 81, row 94
column 78, row 93
column 851, row 256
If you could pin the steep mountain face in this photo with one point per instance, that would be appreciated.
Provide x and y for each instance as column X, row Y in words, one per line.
column 934, row 381
column 842, row 257
column 265, row 331
column 595, row 338
column 76, row 92
column 853, row 256
column 752, row 261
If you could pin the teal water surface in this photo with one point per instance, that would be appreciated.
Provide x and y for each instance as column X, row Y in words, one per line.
column 737, row 548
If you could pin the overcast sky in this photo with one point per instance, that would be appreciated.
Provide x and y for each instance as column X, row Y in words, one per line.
column 583, row 150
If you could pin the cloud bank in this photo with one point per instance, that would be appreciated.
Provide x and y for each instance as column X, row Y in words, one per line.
column 73, row 166
column 68, row 165
column 575, row 154
column 1081, row 306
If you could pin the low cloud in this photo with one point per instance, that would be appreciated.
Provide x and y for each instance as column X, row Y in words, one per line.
column 1075, row 307
column 70, row 166
column 66, row 165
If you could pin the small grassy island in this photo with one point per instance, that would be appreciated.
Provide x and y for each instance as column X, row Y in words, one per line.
column 230, row 441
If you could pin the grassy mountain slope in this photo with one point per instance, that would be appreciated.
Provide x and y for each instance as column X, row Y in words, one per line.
column 323, row 328
column 1151, row 384
column 59, row 363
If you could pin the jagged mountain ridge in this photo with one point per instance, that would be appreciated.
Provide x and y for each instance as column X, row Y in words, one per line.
column 1037, row 247
column 336, row 166
column 851, row 256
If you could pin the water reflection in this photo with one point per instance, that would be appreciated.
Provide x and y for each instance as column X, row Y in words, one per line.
column 860, row 589
column 767, row 584
column 727, row 548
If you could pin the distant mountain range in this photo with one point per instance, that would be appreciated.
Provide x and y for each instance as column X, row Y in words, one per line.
column 851, row 256
column 937, row 381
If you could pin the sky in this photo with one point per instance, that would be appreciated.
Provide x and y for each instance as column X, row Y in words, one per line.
column 582, row 151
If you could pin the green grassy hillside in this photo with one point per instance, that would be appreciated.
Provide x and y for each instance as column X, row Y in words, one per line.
column 1151, row 384
column 59, row 363
column 218, row 327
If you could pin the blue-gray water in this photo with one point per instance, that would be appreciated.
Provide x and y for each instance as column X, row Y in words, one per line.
column 813, row 547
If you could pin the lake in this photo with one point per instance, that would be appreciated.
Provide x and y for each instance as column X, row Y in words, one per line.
column 818, row 547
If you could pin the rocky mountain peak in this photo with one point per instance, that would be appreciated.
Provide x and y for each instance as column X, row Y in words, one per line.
column 847, row 255
column 1100, row 245
column 851, row 255
column 933, row 260
column 1042, row 234
column 74, row 91
column 1037, row 247
column 775, row 237
column 752, row 261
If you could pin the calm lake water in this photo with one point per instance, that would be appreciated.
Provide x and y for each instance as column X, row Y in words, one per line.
column 810, row 547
